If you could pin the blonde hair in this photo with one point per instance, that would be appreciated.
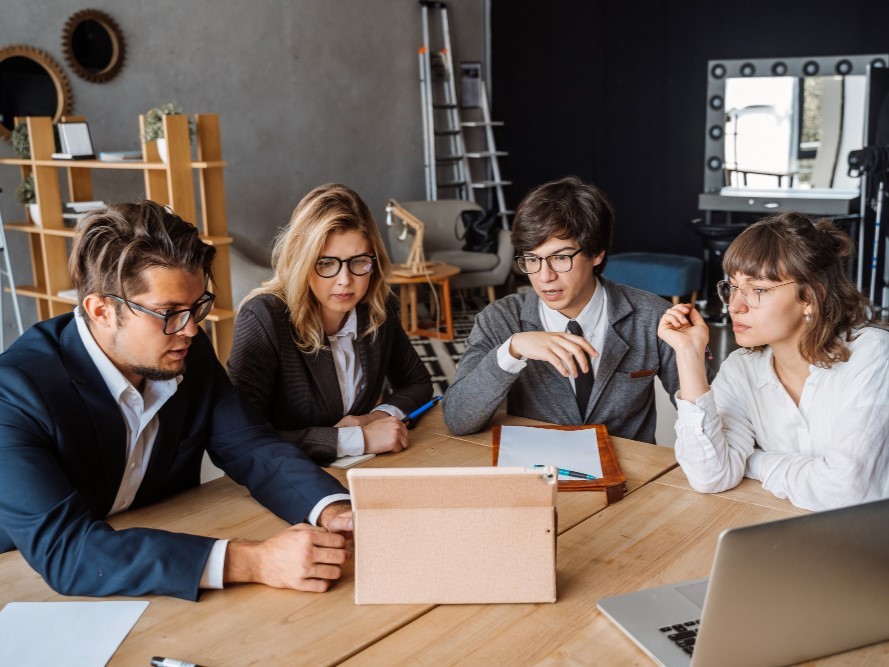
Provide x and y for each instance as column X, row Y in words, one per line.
column 790, row 246
column 328, row 209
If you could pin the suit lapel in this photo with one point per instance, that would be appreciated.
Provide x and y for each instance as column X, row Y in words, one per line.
column 615, row 347
column 109, row 432
column 323, row 372
column 369, row 358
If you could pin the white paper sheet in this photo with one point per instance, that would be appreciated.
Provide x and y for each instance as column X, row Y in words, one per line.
column 571, row 450
column 349, row 461
column 74, row 634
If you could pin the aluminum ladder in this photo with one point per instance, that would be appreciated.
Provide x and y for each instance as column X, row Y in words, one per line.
column 444, row 151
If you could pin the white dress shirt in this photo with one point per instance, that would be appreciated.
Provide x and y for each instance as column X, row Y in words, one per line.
column 139, row 412
column 591, row 319
column 350, row 375
column 831, row 450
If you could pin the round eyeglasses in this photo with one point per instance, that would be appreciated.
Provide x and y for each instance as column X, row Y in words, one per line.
column 330, row 267
column 175, row 321
column 752, row 295
column 560, row 263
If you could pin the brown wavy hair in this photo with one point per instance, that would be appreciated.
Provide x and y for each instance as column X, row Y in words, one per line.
column 113, row 248
column 328, row 209
column 815, row 254
column 566, row 208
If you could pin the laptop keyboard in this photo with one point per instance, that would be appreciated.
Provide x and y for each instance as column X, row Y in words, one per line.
column 683, row 634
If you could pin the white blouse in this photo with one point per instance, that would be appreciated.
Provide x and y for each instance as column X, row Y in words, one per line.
column 830, row 451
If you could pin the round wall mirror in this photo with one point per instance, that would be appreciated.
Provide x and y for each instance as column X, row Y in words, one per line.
column 94, row 46
column 31, row 84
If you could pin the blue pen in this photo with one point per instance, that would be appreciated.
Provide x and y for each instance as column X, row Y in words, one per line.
column 569, row 473
column 419, row 411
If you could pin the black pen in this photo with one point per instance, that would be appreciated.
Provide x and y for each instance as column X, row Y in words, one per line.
column 419, row 411
column 171, row 662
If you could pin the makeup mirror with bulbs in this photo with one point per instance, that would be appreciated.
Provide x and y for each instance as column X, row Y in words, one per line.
column 779, row 132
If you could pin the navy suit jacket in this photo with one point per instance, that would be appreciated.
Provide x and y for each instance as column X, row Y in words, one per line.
column 62, row 457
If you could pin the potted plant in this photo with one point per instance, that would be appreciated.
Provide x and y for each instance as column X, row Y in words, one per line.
column 20, row 142
column 26, row 194
column 153, row 129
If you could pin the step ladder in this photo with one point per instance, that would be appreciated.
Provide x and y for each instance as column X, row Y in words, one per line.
column 6, row 272
column 444, row 152
column 489, row 157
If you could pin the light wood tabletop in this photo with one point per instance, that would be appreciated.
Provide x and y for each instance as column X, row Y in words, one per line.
column 660, row 532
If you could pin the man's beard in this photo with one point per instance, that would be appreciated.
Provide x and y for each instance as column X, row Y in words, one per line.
column 156, row 374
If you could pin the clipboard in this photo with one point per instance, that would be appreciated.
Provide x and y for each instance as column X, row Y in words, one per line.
column 613, row 481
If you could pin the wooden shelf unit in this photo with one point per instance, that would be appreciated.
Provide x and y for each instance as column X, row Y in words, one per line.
column 170, row 183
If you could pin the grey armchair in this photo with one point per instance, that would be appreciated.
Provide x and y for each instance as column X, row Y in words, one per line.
column 477, row 269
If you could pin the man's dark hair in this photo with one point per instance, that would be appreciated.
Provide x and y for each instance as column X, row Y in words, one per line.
column 567, row 209
column 113, row 248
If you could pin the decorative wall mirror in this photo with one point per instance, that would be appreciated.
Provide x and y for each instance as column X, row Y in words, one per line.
column 94, row 46
column 779, row 132
column 31, row 84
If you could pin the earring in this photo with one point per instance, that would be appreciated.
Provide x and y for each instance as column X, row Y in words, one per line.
column 808, row 318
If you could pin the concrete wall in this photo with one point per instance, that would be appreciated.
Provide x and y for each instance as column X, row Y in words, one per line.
column 309, row 91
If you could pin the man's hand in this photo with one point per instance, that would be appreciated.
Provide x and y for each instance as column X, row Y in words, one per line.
column 385, row 435
column 301, row 557
column 337, row 518
column 564, row 351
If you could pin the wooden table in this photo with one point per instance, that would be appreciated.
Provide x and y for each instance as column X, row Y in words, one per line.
column 661, row 531
column 439, row 280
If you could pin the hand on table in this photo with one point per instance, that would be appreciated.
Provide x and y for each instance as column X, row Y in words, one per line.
column 387, row 434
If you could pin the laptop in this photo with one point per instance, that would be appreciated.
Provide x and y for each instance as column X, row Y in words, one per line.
column 779, row 593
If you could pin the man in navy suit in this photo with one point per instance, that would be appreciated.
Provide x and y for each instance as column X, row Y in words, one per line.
column 113, row 406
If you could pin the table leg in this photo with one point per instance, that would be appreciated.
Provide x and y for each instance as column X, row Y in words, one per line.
column 446, row 306
column 403, row 294
column 412, row 290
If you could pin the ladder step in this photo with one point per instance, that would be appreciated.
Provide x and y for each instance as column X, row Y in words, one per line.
column 505, row 213
column 448, row 159
column 451, row 184
column 478, row 185
column 481, row 123
column 486, row 154
column 446, row 133
column 444, row 106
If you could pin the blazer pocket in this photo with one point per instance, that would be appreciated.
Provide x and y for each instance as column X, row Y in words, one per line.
column 643, row 374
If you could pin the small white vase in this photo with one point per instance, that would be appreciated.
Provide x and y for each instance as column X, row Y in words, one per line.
column 34, row 212
column 162, row 150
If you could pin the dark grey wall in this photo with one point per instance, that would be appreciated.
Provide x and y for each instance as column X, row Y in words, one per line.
column 309, row 91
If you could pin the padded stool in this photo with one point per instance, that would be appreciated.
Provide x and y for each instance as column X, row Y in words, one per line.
column 666, row 275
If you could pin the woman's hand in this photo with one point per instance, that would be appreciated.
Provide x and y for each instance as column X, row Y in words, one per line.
column 683, row 329
column 384, row 435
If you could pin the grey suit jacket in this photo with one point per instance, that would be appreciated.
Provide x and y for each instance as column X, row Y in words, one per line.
column 623, row 393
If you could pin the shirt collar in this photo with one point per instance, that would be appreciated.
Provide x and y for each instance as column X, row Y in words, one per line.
column 115, row 381
column 588, row 318
column 350, row 328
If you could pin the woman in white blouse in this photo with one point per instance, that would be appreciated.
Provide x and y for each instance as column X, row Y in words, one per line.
column 804, row 407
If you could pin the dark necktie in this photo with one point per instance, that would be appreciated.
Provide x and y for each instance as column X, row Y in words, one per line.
column 583, row 383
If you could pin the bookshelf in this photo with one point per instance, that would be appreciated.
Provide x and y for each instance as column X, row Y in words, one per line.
column 171, row 183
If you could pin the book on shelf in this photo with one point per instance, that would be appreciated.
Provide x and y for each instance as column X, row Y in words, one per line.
column 120, row 156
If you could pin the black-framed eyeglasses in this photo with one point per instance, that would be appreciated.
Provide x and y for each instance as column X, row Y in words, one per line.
column 751, row 293
column 359, row 265
column 175, row 321
column 560, row 263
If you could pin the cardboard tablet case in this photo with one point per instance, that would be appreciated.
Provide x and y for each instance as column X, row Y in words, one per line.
column 454, row 535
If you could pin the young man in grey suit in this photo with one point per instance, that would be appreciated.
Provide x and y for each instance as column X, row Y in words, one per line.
column 580, row 349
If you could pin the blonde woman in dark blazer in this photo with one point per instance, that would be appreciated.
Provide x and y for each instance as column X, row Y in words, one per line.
column 314, row 345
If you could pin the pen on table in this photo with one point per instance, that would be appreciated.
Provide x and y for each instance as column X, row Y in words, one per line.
column 569, row 473
column 171, row 662
column 419, row 411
